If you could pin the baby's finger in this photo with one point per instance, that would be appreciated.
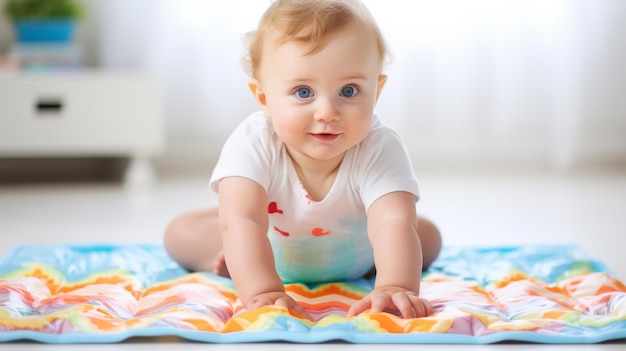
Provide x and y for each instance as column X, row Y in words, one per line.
column 423, row 307
column 302, row 311
column 259, row 303
column 380, row 302
column 428, row 307
column 283, row 302
column 290, row 303
column 406, row 306
column 359, row 306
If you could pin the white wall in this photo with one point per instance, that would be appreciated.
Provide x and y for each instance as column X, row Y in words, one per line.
column 482, row 83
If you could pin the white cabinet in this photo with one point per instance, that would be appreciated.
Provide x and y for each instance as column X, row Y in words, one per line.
column 82, row 114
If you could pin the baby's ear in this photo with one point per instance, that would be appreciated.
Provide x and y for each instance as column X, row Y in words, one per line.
column 382, row 79
column 259, row 95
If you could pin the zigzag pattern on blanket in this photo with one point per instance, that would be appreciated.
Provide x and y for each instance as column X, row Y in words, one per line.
column 40, row 298
column 477, row 293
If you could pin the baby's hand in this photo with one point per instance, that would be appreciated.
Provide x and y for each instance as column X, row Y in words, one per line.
column 397, row 300
column 279, row 299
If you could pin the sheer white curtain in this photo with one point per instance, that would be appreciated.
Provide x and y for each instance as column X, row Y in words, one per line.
column 512, row 81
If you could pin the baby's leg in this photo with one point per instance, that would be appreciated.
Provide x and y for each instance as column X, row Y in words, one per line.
column 193, row 240
column 430, row 239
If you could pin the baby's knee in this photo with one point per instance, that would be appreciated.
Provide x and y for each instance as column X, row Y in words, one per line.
column 431, row 241
column 175, row 233
column 192, row 239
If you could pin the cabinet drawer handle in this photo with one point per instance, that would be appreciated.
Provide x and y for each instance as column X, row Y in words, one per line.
column 49, row 106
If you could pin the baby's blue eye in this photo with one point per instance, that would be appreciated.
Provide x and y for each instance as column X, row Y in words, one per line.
column 349, row 91
column 304, row 93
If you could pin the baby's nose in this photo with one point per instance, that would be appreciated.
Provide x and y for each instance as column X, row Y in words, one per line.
column 326, row 110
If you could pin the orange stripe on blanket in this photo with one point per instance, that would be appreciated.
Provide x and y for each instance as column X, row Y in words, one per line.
column 324, row 305
column 328, row 289
column 246, row 319
column 393, row 324
column 109, row 279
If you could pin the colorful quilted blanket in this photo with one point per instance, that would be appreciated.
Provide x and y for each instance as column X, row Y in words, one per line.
column 102, row 294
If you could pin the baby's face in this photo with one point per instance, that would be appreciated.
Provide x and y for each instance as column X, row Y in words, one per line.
column 321, row 104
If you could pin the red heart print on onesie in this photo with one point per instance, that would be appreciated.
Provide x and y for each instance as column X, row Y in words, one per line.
column 273, row 208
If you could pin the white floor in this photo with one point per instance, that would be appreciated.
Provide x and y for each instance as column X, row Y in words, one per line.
column 470, row 209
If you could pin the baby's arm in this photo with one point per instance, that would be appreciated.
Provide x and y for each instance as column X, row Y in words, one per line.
column 392, row 222
column 243, row 224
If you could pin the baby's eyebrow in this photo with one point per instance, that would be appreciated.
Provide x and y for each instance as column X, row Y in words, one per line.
column 300, row 80
column 297, row 81
column 355, row 77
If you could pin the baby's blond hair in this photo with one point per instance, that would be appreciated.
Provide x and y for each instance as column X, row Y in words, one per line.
column 307, row 21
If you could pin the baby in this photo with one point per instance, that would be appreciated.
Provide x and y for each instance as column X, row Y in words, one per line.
column 314, row 187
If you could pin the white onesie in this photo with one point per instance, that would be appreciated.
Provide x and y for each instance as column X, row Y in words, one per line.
column 318, row 241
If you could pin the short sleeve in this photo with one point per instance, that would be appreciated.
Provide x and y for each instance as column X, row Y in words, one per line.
column 384, row 166
column 246, row 153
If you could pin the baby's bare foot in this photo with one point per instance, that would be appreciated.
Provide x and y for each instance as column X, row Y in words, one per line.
column 219, row 267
